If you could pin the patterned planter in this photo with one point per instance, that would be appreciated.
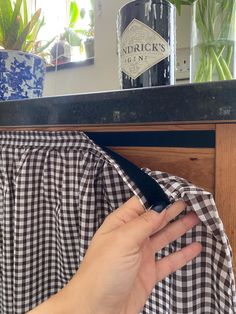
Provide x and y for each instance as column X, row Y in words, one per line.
column 21, row 75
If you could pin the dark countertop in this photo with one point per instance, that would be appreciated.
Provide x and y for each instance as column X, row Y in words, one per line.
column 205, row 102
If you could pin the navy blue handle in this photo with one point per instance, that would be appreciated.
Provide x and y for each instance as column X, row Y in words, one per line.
column 154, row 194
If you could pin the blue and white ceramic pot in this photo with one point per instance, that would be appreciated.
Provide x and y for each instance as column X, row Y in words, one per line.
column 21, row 75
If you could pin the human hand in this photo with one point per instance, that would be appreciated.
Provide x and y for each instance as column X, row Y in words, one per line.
column 119, row 270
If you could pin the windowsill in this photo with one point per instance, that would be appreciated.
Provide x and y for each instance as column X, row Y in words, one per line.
column 70, row 65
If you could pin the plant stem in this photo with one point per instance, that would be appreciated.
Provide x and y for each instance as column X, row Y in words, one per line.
column 229, row 55
column 217, row 63
column 216, row 48
column 227, row 73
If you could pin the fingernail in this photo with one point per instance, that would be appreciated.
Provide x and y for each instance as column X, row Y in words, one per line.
column 159, row 208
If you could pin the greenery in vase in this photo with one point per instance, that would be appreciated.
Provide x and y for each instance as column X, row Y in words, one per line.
column 215, row 22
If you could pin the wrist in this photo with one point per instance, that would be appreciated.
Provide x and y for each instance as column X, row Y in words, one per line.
column 88, row 299
column 71, row 299
column 76, row 292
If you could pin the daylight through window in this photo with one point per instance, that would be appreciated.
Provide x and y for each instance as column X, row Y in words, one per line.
column 68, row 30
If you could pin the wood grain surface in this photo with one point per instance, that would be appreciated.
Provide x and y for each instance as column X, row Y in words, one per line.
column 193, row 164
column 225, row 189
column 116, row 128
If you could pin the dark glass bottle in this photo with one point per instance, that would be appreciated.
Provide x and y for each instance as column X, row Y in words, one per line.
column 146, row 41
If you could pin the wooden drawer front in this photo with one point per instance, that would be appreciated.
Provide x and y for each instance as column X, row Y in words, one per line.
column 194, row 164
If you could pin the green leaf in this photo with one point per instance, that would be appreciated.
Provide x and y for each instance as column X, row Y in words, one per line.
column 25, row 11
column 74, row 14
column 82, row 13
column 26, row 31
column 72, row 38
column 31, row 38
column 1, row 37
column 5, row 17
column 16, row 11
column 34, row 33
column 178, row 6
column 13, row 33
column 42, row 48
column 22, row 38
column 15, row 25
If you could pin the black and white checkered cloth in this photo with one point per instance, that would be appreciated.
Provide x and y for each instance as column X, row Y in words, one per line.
column 56, row 188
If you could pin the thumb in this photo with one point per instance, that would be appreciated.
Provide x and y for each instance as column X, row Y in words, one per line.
column 144, row 226
column 125, row 213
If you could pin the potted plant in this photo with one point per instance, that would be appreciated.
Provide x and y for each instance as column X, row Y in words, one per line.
column 21, row 71
column 71, row 37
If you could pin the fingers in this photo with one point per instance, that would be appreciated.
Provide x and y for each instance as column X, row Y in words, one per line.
column 173, row 231
column 173, row 211
column 142, row 227
column 150, row 222
column 125, row 213
column 140, row 224
column 133, row 204
column 177, row 260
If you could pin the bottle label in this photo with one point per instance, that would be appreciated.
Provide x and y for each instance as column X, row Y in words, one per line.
column 141, row 48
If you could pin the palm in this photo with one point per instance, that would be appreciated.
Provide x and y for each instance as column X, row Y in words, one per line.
column 145, row 279
column 133, row 267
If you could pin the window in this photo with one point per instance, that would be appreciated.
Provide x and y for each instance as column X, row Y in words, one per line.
column 69, row 28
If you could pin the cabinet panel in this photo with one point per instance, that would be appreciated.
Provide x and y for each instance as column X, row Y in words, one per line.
column 194, row 164
column 225, row 189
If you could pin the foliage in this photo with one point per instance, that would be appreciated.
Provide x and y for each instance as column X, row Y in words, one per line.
column 179, row 3
column 74, row 35
column 215, row 50
column 215, row 44
column 71, row 34
column 17, row 30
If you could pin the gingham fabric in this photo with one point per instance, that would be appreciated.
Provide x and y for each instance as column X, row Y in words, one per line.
column 56, row 188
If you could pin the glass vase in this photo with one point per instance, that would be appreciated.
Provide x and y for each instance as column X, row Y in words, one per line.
column 213, row 41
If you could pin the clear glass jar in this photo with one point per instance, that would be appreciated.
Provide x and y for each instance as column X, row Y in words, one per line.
column 213, row 40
